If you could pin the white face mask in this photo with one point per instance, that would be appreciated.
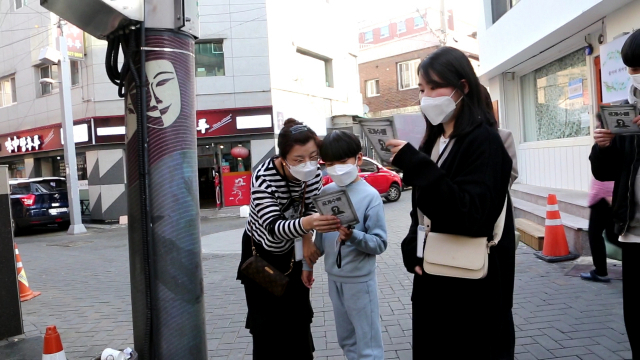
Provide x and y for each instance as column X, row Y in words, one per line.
column 343, row 174
column 438, row 110
column 635, row 80
column 305, row 171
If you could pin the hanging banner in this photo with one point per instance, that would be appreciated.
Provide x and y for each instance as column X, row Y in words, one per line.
column 615, row 77
column 237, row 188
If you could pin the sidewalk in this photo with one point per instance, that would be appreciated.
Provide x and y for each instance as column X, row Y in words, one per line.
column 85, row 293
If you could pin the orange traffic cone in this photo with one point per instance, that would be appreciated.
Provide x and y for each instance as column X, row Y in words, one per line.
column 555, row 247
column 23, row 284
column 52, row 349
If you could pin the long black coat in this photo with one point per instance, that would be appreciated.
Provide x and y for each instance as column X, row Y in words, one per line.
column 460, row 318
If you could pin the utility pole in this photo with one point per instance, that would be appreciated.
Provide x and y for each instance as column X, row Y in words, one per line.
column 162, row 186
column 10, row 310
column 156, row 77
column 73, row 193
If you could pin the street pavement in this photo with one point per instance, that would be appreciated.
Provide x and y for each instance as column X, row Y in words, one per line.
column 84, row 280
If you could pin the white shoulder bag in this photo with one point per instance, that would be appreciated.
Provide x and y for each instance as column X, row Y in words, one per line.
column 456, row 255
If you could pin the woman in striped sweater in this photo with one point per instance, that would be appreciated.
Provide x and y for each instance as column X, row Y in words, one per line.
column 281, row 212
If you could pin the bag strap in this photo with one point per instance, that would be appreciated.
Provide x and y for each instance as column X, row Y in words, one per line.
column 499, row 226
column 439, row 158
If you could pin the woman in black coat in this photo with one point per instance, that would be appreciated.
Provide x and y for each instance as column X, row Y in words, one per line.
column 457, row 318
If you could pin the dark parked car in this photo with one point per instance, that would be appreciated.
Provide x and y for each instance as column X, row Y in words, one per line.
column 387, row 182
column 39, row 201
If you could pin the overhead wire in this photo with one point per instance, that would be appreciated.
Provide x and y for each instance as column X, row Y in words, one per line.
column 24, row 29
column 242, row 23
column 27, row 38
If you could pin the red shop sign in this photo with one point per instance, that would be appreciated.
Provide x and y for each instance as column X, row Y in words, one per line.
column 234, row 122
column 41, row 139
column 237, row 188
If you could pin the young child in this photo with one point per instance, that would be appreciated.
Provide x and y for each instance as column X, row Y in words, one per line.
column 353, row 287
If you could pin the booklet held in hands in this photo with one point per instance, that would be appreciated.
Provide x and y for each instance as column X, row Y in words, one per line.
column 337, row 203
column 619, row 119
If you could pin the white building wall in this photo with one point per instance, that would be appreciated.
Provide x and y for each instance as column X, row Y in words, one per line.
column 561, row 163
column 325, row 29
column 532, row 26
column 259, row 61
column 23, row 33
column 242, row 26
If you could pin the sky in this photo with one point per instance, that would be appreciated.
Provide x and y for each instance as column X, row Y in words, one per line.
column 379, row 10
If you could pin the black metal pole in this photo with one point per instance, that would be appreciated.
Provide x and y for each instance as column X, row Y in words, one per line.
column 10, row 311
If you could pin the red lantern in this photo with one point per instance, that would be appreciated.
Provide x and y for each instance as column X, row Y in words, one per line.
column 240, row 152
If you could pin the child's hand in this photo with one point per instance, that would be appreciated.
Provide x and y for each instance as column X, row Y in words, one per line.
column 307, row 278
column 345, row 234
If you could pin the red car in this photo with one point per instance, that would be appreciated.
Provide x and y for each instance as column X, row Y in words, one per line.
column 387, row 182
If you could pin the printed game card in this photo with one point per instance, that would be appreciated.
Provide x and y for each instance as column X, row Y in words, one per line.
column 339, row 204
column 619, row 119
column 379, row 132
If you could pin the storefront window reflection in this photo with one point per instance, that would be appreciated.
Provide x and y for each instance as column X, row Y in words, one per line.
column 59, row 167
column 17, row 169
column 222, row 160
column 556, row 99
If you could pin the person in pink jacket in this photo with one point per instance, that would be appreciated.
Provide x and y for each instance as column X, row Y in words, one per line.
column 600, row 221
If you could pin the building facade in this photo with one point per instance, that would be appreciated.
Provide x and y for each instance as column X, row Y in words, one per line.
column 252, row 72
column 391, row 50
column 548, row 66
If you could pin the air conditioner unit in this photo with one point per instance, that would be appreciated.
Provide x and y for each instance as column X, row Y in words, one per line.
column 49, row 56
column 99, row 18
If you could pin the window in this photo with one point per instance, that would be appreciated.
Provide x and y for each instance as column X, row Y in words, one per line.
column 408, row 74
column 500, row 7
column 402, row 27
column 556, row 100
column 368, row 167
column 368, row 36
column 314, row 70
column 373, row 87
column 418, row 22
column 20, row 3
column 8, row 91
column 384, row 31
column 75, row 72
column 209, row 59
column 48, row 186
column 49, row 72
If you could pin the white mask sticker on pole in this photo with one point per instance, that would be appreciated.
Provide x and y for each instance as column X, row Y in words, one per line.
column 438, row 110
column 304, row 172
column 343, row 174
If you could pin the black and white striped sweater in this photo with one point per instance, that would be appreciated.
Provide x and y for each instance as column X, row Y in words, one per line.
column 275, row 207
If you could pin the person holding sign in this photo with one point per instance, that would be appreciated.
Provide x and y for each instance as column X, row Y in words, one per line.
column 350, row 253
column 460, row 178
column 281, row 217
column 615, row 158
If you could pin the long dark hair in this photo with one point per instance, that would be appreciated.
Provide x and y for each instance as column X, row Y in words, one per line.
column 492, row 121
column 447, row 67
